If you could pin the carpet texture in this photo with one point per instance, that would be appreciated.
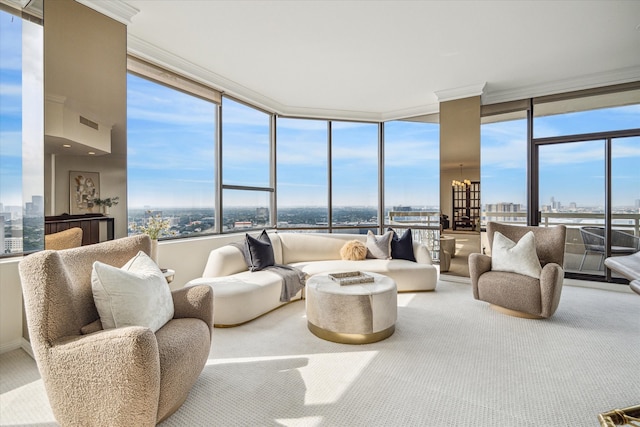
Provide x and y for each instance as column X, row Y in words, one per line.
column 451, row 362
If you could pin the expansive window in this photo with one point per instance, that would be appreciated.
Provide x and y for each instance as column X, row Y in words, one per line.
column 22, row 135
column 247, row 186
column 503, row 154
column 587, row 147
column 412, row 178
column 586, row 114
column 354, row 175
column 411, row 166
column 302, row 172
column 170, row 157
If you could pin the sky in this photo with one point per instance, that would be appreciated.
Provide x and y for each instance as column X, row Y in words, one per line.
column 171, row 152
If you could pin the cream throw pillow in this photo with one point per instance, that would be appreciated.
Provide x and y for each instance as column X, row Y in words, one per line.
column 512, row 257
column 135, row 295
column 379, row 246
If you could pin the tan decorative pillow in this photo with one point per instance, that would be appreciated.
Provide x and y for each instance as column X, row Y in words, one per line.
column 353, row 250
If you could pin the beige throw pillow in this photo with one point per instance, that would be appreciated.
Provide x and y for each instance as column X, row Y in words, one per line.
column 379, row 246
column 353, row 250
column 521, row 257
column 135, row 295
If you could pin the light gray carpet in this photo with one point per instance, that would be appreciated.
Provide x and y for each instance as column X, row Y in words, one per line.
column 451, row 362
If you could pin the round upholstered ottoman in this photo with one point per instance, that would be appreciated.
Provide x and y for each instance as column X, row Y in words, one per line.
column 352, row 314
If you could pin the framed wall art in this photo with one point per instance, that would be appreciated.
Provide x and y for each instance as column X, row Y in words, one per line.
column 83, row 188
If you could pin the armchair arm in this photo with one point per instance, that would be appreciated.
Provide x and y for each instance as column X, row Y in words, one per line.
column 478, row 265
column 195, row 302
column 551, row 280
column 104, row 378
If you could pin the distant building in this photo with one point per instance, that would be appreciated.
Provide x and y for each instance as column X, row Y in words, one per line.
column 2, row 248
column 402, row 208
column 262, row 213
column 242, row 224
column 13, row 245
column 492, row 209
column 637, row 203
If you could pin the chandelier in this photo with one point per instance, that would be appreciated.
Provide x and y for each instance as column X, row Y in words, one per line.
column 463, row 183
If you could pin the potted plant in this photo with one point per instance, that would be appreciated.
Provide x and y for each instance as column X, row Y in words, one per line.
column 155, row 227
column 106, row 203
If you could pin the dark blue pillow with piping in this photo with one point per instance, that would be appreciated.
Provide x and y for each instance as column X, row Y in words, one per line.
column 259, row 251
column 402, row 247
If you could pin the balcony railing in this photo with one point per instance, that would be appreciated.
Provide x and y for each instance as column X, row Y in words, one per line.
column 577, row 260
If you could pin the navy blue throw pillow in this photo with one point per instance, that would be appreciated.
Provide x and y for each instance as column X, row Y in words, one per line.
column 402, row 247
column 259, row 251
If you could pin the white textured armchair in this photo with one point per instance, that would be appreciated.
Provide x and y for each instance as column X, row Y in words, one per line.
column 126, row 376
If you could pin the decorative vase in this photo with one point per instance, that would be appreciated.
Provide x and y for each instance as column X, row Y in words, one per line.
column 154, row 250
column 105, row 210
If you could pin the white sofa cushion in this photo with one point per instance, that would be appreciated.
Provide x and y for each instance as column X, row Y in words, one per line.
column 243, row 296
column 313, row 246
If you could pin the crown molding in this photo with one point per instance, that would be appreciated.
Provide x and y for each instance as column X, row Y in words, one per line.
column 460, row 92
column 406, row 113
column 115, row 9
column 160, row 57
column 329, row 114
column 33, row 7
column 145, row 50
column 588, row 81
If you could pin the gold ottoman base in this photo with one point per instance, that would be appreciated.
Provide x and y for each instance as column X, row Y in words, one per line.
column 343, row 338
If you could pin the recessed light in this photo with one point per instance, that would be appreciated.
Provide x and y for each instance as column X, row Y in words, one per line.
column 91, row 152
column 66, row 145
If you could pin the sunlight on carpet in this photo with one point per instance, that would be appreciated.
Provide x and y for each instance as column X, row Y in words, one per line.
column 451, row 361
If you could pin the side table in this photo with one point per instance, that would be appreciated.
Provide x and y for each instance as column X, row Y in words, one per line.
column 168, row 274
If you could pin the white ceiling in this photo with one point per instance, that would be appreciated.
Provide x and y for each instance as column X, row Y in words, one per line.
column 381, row 60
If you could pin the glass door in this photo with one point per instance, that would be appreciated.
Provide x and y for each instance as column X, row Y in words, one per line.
column 625, row 196
column 572, row 192
column 593, row 188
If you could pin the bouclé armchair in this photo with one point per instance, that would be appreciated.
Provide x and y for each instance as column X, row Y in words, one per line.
column 516, row 294
column 127, row 376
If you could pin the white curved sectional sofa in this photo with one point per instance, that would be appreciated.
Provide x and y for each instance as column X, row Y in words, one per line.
column 241, row 295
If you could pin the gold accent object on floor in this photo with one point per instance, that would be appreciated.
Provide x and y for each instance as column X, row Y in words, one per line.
column 621, row 417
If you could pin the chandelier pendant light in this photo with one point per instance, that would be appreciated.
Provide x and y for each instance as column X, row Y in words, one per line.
column 463, row 183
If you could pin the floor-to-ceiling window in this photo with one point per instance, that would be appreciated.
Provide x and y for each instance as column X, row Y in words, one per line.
column 587, row 149
column 578, row 171
column 302, row 173
column 412, row 178
column 247, row 186
column 171, row 138
column 22, row 134
column 503, row 171
column 354, row 176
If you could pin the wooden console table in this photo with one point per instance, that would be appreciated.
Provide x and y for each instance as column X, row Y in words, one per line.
column 89, row 223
